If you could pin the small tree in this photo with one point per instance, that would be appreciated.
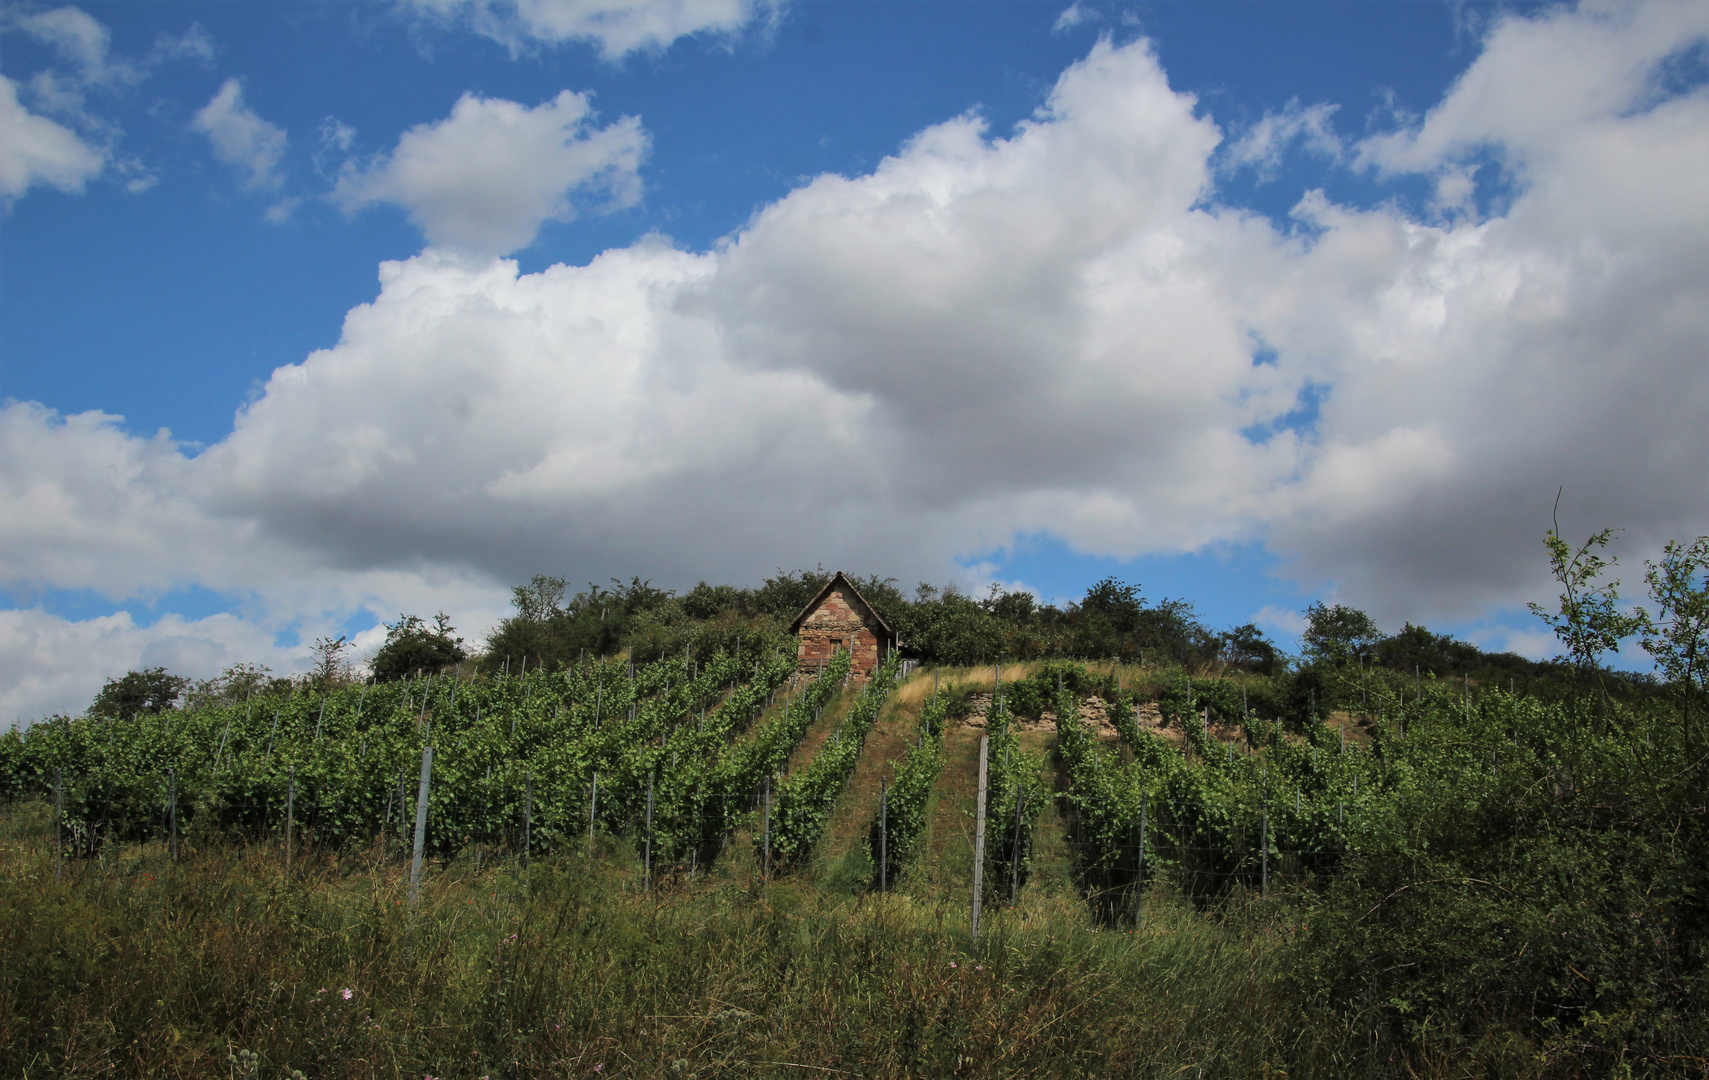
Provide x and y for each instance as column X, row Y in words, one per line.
column 412, row 644
column 1589, row 622
column 329, row 666
column 1338, row 634
column 1679, row 639
column 151, row 691
column 1247, row 647
column 233, row 686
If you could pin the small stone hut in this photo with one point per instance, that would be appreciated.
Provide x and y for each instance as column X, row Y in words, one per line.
column 840, row 618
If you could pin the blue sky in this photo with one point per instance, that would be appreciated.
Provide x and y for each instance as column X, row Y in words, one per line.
column 1252, row 303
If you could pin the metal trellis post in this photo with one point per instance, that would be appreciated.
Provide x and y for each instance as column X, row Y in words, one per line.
column 979, row 831
column 420, row 823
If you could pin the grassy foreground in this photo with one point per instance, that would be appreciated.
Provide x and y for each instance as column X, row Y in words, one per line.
column 220, row 965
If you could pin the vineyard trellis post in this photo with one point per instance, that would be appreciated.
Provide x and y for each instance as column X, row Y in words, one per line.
column 527, row 816
column 592, row 810
column 647, row 864
column 765, row 833
column 172, row 813
column 1015, row 848
column 58, row 822
column 220, row 753
column 979, row 830
column 420, row 823
column 1139, row 863
column 883, row 834
column 290, row 814
column 1264, row 851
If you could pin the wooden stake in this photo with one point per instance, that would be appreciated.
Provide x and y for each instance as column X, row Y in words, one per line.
column 765, row 834
column 979, row 831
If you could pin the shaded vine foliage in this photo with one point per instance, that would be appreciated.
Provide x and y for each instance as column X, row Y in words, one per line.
column 1475, row 862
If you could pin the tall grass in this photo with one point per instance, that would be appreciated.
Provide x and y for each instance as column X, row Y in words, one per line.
column 221, row 965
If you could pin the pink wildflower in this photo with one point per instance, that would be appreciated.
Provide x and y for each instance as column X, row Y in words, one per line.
column 347, row 993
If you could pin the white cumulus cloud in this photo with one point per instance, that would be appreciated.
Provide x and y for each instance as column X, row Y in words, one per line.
column 50, row 665
column 1264, row 143
column 80, row 39
column 615, row 27
column 35, row 150
column 1053, row 329
column 486, row 177
column 241, row 138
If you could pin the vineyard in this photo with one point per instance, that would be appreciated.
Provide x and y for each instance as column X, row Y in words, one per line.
column 1427, row 842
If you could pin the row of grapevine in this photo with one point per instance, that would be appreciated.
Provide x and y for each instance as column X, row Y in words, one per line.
column 1214, row 813
column 706, row 781
column 804, row 803
column 346, row 759
column 1016, row 794
column 909, row 796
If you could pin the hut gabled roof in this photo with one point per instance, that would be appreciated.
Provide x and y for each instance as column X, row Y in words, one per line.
column 819, row 598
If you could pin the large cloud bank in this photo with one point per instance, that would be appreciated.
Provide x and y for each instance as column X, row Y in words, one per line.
column 1058, row 329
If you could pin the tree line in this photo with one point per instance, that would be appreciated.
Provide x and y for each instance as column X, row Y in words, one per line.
column 551, row 625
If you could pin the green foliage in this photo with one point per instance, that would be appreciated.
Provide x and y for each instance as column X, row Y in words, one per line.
column 413, row 645
column 221, row 963
column 1032, row 695
column 1338, row 634
column 329, row 665
column 1246, row 647
column 910, row 794
column 1016, row 795
column 136, row 692
column 234, row 686
column 1679, row 638
column 648, row 622
column 803, row 804
column 1485, row 867
column 1589, row 621
column 348, row 757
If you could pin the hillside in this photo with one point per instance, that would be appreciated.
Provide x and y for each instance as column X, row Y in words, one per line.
column 1435, row 871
